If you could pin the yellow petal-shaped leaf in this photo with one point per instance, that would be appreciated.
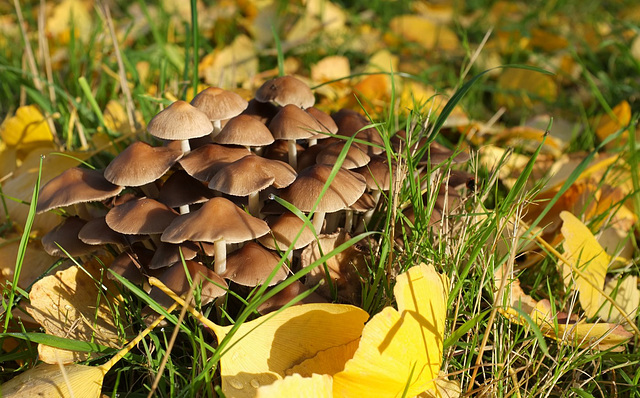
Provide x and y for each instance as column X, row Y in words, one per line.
column 609, row 124
column 262, row 350
column 329, row 361
column 626, row 294
column 421, row 30
column 400, row 350
column 316, row 386
column 585, row 254
column 69, row 304
column 48, row 380
column 26, row 127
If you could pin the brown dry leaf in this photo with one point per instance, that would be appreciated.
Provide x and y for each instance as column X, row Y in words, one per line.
column 544, row 39
column 36, row 261
column 510, row 170
column 610, row 124
column 584, row 253
column 346, row 269
column 626, row 294
column 425, row 32
column 522, row 88
column 601, row 336
column 69, row 304
column 332, row 17
column 232, row 65
column 529, row 138
column 68, row 14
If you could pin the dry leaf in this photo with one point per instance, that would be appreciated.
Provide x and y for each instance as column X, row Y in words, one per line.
column 426, row 33
column 626, row 294
column 262, row 350
column 68, row 14
column 232, row 65
column 584, row 252
column 69, row 304
column 315, row 386
column 35, row 263
column 400, row 349
column 26, row 129
column 47, row 380
column 522, row 88
column 610, row 124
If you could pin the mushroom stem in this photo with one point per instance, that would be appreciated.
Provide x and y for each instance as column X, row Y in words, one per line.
column 369, row 213
column 312, row 141
column 254, row 204
column 184, row 145
column 220, row 255
column 293, row 154
column 184, row 209
column 318, row 220
column 348, row 220
column 217, row 126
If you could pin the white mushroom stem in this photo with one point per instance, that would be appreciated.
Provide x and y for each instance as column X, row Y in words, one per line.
column 184, row 209
column 184, row 145
column 369, row 213
column 348, row 219
column 254, row 204
column 293, row 154
column 220, row 255
column 150, row 190
column 312, row 141
column 217, row 126
column 318, row 220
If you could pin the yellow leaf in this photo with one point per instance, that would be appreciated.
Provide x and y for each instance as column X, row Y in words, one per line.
column 315, row 386
column 427, row 34
column 626, row 294
column 585, row 254
column 26, row 128
column 400, row 349
column 69, row 304
column 329, row 361
column 36, row 261
column 68, row 14
column 47, row 380
column 610, row 124
column 261, row 351
column 520, row 88
column 232, row 65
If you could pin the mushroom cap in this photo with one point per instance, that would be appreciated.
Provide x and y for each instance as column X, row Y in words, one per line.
column 284, row 230
column 75, row 185
column 218, row 219
column 279, row 150
column 350, row 122
column 326, row 123
column 287, row 294
column 376, row 173
column 261, row 111
column 180, row 121
column 219, row 104
column 141, row 164
column 142, row 216
column 252, row 174
column 168, row 254
column 366, row 202
column 439, row 153
column 203, row 163
column 252, row 264
column 97, row 232
column 293, row 123
column 175, row 278
column 285, row 90
column 64, row 238
column 244, row 130
column 355, row 158
column 181, row 189
column 127, row 264
column 345, row 189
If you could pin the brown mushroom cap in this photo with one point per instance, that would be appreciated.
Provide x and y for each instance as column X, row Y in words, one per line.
column 219, row 104
column 180, row 121
column 244, row 130
column 252, row 174
column 168, row 254
column 326, row 123
column 252, row 264
column 376, row 173
column 127, row 265
column 287, row 294
column 285, row 90
column 64, row 238
column 181, row 189
column 203, row 163
column 344, row 190
column 284, row 230
column 217, row 219
column 175, row 279
column 76, row 185
column 141, row 216
column 141, row 164
column 97, row 232
column 293, row 123
column 261, row 111
column 355, row 158
column 350, row 122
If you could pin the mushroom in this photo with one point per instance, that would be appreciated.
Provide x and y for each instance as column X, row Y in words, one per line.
column 252, row 264
column 203, row 163
column 343, row 191
column 283, row 232
column 285, row 90
column 246, row 131
column 218, row 105
column 181, row 190
column 180, row 121
column 291, row 124
column 218, row 221
column 63, row 239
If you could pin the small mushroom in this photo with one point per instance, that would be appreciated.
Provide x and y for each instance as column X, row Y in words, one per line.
column 180, row 121
column 252, row 264
column 218, row 105
column 285, row 90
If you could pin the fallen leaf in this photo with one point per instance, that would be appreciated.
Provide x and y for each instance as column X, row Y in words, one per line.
column 425, row 32
column 522, row 88
column 317, row 385
column 35, row 263
column 400, row 349
column 585, row 254
column 69, row 304
column 70, row 14
column 626, row 294
column 232, row 65
column 48, row 380
column 26, row 129
column 610, row 124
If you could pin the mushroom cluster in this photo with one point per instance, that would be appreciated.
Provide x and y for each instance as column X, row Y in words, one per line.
column 206, row 190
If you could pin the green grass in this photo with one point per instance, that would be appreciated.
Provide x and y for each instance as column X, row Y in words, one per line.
column 516, row 360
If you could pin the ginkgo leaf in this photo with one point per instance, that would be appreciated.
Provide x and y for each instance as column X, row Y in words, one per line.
column 610, row 124
column 70, row 14
column 231, row 65
column 262, row 350
column 586, row 255
column 315, row 386
column 48, row 380
column 400, row 350
column 329, row 361
column 69, row 304
column 626, row 294
column 426, row 33
column 602, row 336
column 522, row 88
column 36, row 259
column 26, row 128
